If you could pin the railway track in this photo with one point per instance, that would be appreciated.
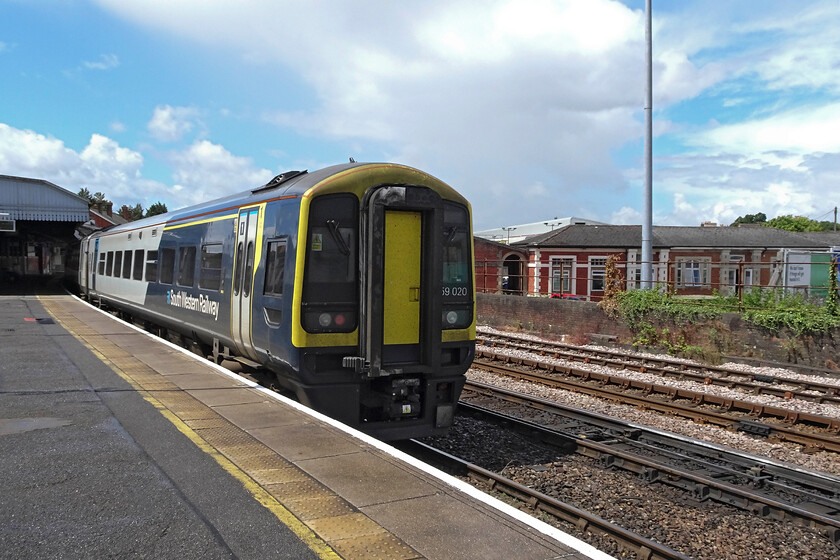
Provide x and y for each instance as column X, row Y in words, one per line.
column 819, row 433
column 704, row 471
column 784, row 387
column 641, row 547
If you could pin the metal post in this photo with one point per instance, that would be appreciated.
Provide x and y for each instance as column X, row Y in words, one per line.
column 647, row 210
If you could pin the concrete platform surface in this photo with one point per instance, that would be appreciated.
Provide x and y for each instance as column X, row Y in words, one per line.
column 115, row 443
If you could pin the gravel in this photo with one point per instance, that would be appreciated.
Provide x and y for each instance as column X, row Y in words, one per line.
column 797, row 405
column 701, row 530
column 820, row 461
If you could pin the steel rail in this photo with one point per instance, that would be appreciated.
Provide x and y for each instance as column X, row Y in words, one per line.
column 813, row 441
column 593, row 425
column 708, row 375
column 816, row 515
column 644, row 549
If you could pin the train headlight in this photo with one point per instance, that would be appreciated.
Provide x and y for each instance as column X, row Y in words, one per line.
column 325, row 320
column 452, row 317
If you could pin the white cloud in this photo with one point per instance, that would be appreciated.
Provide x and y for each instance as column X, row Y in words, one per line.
column 105, row 62
column 497, row 96
column 103, row 165
column 625, row 216
column 205, row 171
column 117, row 126
column 509, row 92
column 802, row 130
column 170, row 124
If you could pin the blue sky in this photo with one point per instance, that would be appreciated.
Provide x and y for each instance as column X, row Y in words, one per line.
column 531, row 108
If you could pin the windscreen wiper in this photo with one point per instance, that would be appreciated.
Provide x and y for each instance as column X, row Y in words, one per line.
column 332, row 226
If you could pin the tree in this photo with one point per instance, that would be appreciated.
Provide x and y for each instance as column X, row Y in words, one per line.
column 795, row 223
column 156, row 208
column 84, row 193
column 131, row 213
column 98, row 197
column 136, row 212
column 759, row 218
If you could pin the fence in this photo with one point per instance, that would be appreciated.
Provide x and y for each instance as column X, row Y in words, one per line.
column 684, row 276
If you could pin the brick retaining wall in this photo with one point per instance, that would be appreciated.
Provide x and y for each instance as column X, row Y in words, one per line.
column 581, row 322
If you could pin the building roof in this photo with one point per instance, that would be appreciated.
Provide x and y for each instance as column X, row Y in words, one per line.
column 522, row 231
column 35, row 199
column 670, row 237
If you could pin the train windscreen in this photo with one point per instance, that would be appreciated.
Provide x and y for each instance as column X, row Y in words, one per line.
column 330, row 286
column 457, row 267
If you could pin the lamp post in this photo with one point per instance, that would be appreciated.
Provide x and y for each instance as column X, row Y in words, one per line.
column 508, row 230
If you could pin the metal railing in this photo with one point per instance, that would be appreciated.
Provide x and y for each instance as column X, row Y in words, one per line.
column 682, row 276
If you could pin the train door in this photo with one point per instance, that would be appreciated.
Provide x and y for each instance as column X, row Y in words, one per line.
column 93, row 263
column 402, row 246
column 245, row 255
column 401, row 301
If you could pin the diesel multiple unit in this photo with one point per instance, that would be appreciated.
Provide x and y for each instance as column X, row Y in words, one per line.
column 353, row 284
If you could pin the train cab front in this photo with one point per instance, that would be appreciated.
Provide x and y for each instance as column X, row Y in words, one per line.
column 390, row 273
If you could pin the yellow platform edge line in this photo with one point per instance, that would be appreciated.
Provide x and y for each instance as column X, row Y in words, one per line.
column 287, row 518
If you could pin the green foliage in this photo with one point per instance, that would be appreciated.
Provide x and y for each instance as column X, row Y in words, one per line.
column 796, row 223
column 84, row 193
column 156, row 209
column 832, row 305
column 759, row 218
column 771, row 309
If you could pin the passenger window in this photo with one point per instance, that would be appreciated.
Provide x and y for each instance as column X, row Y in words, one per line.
column 138, row 264
column 237, row 271
column 186, row 266
column 275, row 267
column 110, row 265
column 249, row 270
column 151, row 266
column 210, row 275
column 102, row 263
column 167, row 265
column 117, row 263
column 126, row 273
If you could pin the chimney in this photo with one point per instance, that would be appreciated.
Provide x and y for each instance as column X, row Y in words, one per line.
column 708, row 224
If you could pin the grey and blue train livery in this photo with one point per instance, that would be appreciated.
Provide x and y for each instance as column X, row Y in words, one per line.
column 354, row 284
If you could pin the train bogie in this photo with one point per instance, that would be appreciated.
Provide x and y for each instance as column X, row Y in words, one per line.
column 354, row 284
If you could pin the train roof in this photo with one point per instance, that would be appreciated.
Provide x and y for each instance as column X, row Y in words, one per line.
column 288, row 184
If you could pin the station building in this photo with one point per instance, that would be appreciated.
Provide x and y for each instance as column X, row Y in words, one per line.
column 38, row 222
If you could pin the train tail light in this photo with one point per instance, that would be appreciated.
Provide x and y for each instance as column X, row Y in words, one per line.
column 329, row 321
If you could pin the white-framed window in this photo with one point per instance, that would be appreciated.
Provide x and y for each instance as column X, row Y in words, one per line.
column 748, row 277
column 693, row 273
column 597, row 273
column 634, row 272
column 562, row 269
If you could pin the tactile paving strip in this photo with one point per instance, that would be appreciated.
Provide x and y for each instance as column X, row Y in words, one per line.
column 349, row 532
column 375, row 547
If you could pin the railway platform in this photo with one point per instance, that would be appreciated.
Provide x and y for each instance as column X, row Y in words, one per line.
column 114, row 443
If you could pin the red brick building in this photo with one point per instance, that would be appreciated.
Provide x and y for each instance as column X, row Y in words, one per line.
column 499, row 268
column 687, row 260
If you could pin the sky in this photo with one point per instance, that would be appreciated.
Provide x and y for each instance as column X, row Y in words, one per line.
column 533, row 109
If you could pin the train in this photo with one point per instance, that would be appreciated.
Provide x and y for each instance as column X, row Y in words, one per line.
column 352, row 285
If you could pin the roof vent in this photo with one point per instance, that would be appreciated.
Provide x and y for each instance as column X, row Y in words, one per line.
column 154, row 232
column 279, row 180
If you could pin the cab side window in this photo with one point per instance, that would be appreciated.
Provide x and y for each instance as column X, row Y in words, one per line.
column 275, row 268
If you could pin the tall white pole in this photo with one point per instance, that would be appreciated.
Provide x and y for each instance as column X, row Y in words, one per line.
column 647, row 211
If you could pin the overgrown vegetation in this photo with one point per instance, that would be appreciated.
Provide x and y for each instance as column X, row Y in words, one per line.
column 659, row 318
